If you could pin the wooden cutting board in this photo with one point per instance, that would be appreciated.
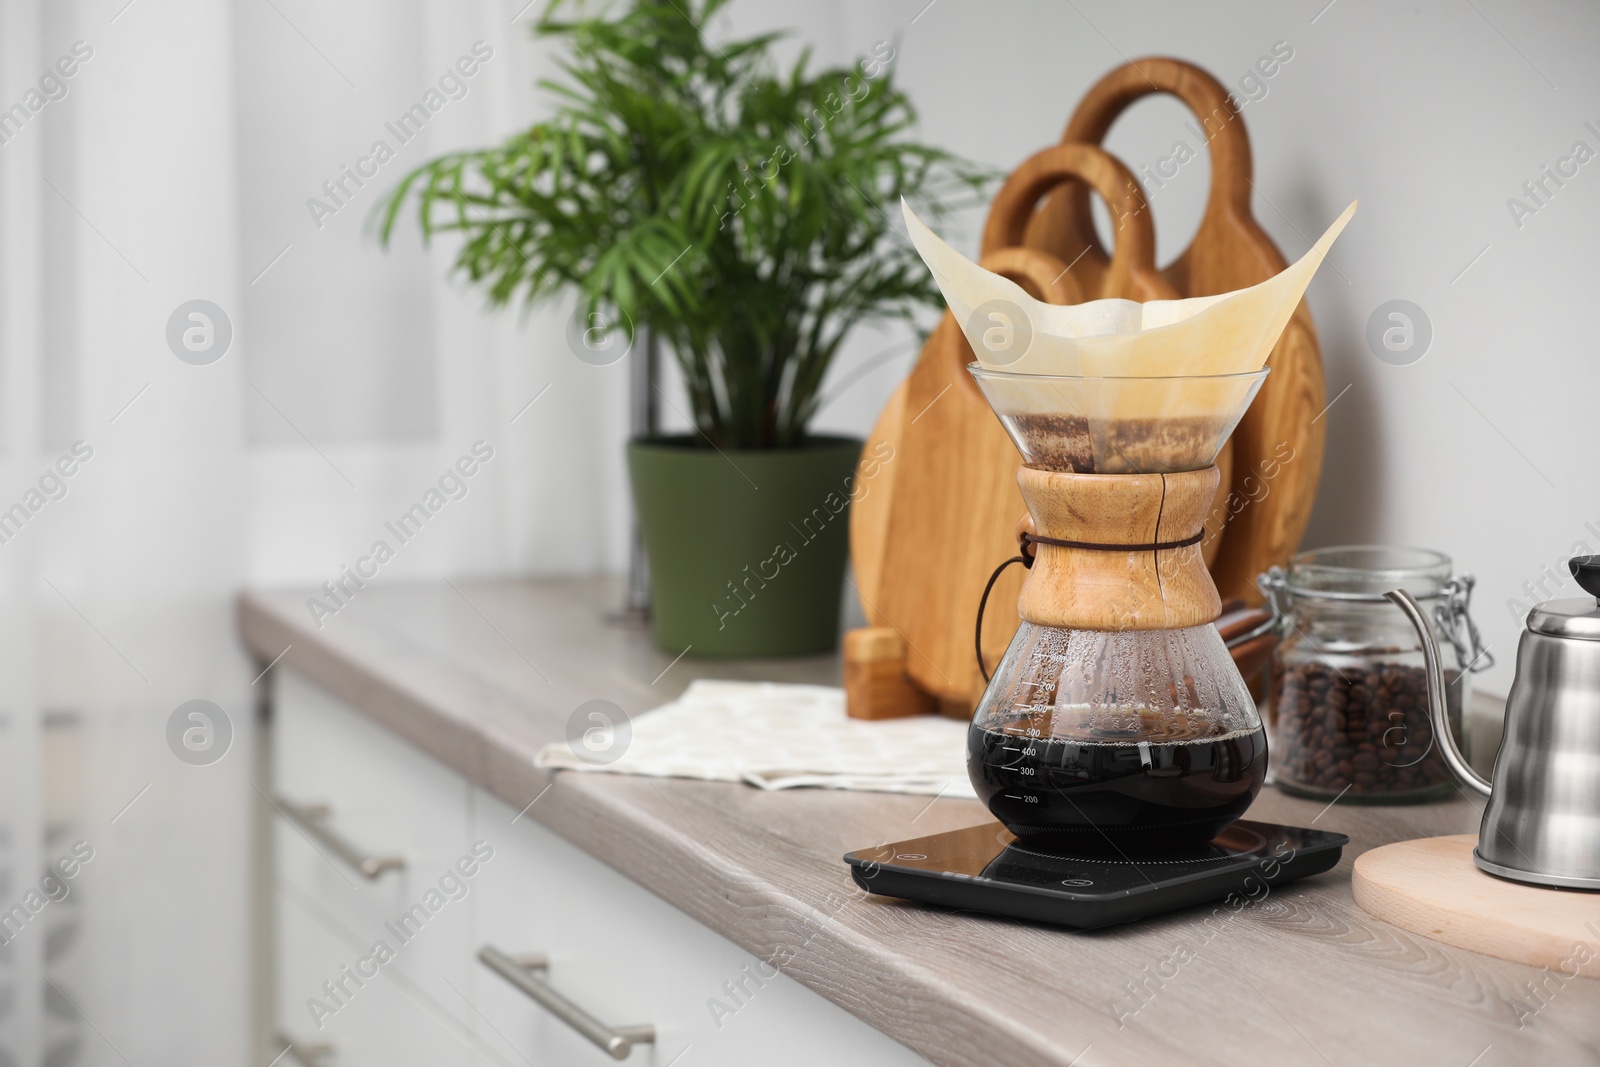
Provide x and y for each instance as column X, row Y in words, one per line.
column 961, row 440
column 1431, row 887
column 1230, row 251
column 942, row 514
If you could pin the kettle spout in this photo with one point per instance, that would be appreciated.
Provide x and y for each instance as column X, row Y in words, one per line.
column 1437, row 712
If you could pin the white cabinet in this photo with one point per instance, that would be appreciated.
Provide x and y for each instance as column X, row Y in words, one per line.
column 626, row 956
column 397, row 939
column 382, row 1020
column 475, row 874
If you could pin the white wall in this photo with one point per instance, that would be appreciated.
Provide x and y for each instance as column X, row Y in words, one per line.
column 1433, row 115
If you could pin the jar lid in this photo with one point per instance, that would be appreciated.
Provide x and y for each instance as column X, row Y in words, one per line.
column 1366, row 572
column 1578, row 617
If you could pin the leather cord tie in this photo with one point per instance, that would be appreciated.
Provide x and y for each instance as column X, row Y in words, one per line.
column 1025, row 557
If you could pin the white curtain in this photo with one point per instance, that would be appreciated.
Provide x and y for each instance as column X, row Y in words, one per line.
column 175, row 163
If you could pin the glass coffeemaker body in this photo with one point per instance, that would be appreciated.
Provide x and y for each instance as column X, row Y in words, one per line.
column 1129, row 730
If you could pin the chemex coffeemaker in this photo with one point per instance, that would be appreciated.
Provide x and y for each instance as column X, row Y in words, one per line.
column 1116, row 725
column 1117, row 720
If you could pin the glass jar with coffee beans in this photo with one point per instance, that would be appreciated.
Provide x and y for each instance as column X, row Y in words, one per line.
column 1348, row 690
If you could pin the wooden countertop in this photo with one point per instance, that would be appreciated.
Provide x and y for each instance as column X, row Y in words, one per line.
column 481, row 674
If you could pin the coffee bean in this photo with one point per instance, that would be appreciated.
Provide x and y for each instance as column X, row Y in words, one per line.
column 1365, row 728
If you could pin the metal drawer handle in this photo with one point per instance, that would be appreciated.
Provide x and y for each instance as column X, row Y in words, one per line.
column 618, row 1041
column 309, row 1053
column 313, row 819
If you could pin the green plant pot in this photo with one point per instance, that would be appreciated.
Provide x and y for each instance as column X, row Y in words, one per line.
column 747, row 548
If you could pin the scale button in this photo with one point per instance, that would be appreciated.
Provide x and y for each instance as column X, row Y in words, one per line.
column 911, row 856
column 1077, row 881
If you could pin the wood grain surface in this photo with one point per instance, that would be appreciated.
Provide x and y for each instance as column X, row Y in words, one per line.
column 1095, row 589
column 876, row 685
column 483, row 674
column 1431, row 887
column 1229, row 251
column 1130, row 270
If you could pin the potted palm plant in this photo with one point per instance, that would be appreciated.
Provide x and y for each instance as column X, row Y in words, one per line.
column 739, row 212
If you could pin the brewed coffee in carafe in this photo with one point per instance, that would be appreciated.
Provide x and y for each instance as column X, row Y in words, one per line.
column 1141, row 740
column 1117, row 722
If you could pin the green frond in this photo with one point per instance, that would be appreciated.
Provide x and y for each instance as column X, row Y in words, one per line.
column 740, row 212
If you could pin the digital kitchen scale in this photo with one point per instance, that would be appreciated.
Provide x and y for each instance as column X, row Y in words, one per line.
column 988, row 869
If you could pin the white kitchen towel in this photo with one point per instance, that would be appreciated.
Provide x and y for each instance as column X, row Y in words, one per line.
column 776, row 737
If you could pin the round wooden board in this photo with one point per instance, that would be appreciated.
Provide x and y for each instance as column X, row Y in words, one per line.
column 1431, row 887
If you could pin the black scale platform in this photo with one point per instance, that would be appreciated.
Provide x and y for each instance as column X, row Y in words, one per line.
column 987, row 869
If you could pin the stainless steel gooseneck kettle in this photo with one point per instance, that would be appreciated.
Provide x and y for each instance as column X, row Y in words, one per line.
column 1542, row 822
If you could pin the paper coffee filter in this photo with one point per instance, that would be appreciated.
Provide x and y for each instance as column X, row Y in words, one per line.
column 1230, row 333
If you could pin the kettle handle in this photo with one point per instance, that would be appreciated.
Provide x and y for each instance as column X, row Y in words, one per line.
column 1437, row 713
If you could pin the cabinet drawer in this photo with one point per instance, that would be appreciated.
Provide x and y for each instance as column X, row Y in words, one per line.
column 627, row 957
column 384, row 797
column 330, row 990
column 472, row 877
